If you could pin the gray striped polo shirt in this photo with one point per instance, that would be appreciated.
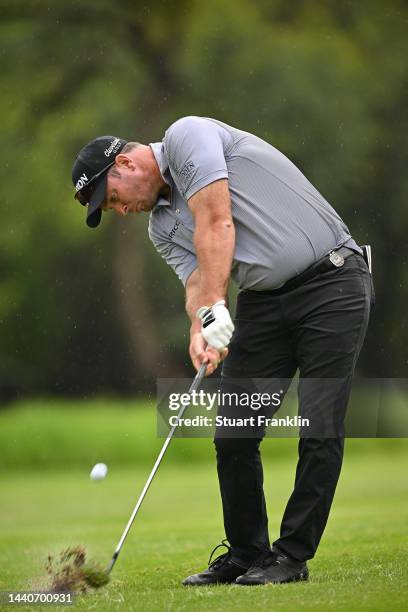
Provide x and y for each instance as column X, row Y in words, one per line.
column 282, row 223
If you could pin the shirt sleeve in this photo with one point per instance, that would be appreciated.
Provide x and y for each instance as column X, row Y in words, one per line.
column 182, row 261
column 195, row 151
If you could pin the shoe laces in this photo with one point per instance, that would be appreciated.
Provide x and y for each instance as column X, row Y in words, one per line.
column 266, row 559
column 221, row 558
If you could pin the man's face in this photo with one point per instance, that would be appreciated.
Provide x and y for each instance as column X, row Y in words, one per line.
column 131, row 188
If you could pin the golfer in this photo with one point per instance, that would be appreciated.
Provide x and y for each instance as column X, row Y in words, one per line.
column 224, row 204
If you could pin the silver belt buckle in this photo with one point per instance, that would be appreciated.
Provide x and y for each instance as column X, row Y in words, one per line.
column 336, row 259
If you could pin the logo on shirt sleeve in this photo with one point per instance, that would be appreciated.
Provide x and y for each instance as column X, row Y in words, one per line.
column 186, row 173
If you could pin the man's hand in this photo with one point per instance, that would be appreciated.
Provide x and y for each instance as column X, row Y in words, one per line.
column 216, row 325
column 201, row 353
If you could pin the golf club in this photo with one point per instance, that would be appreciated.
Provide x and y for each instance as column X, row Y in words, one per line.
column 194, row 386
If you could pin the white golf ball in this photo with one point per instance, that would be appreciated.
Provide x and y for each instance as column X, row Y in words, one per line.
column 99, row 471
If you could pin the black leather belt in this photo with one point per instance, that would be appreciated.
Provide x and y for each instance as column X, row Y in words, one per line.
column 335, row 259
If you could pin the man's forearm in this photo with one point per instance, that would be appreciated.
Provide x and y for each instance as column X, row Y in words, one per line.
column 194, row 300
column 214, row 240
column 214, row 244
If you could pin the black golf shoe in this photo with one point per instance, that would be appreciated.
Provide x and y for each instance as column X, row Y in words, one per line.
column 220, row 571
column 274, row 567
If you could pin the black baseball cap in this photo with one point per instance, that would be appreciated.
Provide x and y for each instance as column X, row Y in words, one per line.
column 89, row 174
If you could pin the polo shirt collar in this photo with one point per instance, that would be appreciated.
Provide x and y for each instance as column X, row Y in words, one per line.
column 158, row 152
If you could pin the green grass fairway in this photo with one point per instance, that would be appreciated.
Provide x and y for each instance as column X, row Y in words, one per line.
column 361, row 563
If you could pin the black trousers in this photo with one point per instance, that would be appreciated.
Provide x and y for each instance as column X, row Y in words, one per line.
column 319, row 329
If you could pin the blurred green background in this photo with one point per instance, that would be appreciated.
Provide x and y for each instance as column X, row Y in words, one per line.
column 86, row 312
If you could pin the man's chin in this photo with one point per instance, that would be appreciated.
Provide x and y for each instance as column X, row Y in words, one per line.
column 147, row 206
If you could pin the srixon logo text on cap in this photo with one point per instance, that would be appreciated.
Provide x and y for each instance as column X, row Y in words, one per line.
column 113, row 147
column 81, row 182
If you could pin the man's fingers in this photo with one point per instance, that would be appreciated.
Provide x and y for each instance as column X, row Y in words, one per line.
column 214, row 358
column 224, row 353
column 210, row 355
column 202, row 351
column 220, row 343
column 196, row 363
column 216, row 355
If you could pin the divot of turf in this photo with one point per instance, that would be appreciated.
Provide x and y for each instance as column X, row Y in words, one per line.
column 71, row 572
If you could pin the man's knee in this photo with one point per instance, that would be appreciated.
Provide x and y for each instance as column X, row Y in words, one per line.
column 325, row 450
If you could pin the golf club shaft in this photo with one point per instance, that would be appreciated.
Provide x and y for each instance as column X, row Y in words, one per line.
column 195, row 384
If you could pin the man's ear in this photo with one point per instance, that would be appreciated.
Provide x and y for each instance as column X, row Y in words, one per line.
column 124, row 161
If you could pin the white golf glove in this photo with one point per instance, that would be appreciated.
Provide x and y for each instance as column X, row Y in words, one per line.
column 216, row 325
